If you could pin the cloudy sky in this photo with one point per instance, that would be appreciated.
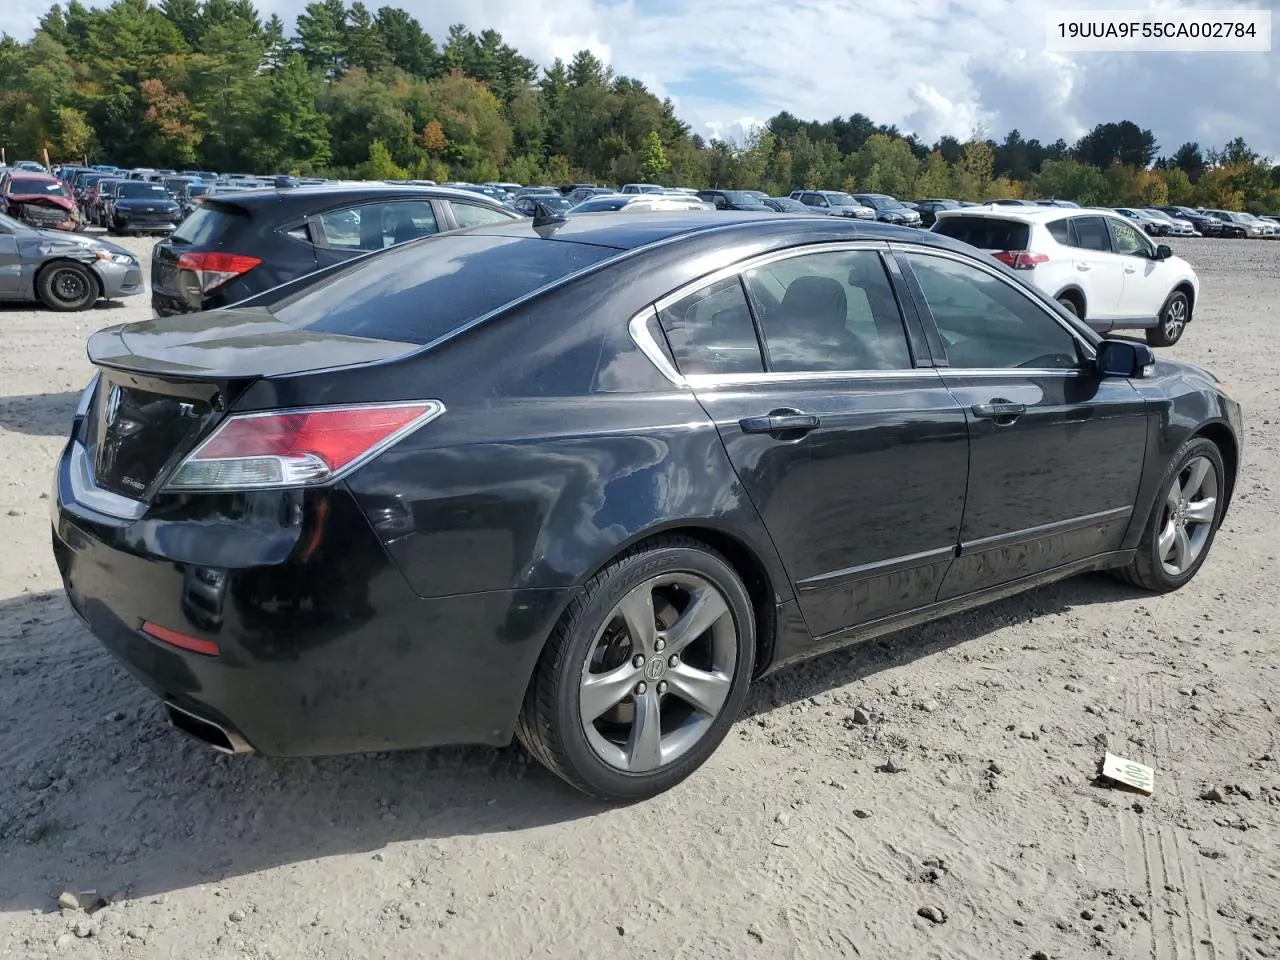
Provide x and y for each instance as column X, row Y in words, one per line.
column 930, row 66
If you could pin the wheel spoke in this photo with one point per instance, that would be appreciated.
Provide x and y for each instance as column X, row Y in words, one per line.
column 1174, row 500
column 636, row 610
column 1181, row 550
column 704, row 611
column 1202, row 511
column 703, row 690
column 1195, row 479
column 603, row 691
column 1167, row 536
column 644, row 746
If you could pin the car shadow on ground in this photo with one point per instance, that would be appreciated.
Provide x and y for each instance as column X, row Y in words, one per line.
column 39, row 414
column 102, row 794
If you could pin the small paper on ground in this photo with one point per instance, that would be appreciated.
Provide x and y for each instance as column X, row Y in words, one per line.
column 1131, row 774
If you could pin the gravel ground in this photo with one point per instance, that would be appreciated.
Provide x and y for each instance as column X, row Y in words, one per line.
column 992, row 840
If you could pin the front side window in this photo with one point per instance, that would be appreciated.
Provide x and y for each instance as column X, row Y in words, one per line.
column 829, row 311
column 986, row 323
column 376, row 226
column 1127, row 239
column 710, row 331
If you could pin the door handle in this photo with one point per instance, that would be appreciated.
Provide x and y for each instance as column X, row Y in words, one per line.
column 999, row 410
column 1129, row 269
column 1082, row 267
column 780, row 421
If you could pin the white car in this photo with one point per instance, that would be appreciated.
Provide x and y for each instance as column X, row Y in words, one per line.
column 642, row 203
column 1096, row 264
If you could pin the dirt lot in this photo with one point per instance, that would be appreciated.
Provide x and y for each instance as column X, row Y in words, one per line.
column 790, row 843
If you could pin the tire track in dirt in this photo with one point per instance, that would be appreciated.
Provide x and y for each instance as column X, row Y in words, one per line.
column 1181, row 919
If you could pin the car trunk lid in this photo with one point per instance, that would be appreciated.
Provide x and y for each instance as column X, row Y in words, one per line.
column 165, row 384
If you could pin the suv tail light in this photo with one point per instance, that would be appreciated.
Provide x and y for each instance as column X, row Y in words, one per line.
column 292, row 448
column 212, row 270
column 1021, row 259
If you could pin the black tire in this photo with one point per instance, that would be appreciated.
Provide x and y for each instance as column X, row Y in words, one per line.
column 1068, row 304
column 1147, row 569
column 1172, row 324
column 550, row 725
column 67, row 286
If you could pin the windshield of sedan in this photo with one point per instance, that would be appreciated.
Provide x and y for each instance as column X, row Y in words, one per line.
column 29, row 186
column 842, row 200
column 141, row 190
column 741, row 196
column 882, row 203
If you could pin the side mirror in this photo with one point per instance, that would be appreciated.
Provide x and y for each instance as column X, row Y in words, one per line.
column 1125, row 358
column 1164, row 251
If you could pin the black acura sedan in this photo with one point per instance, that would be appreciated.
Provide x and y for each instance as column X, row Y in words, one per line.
column 580, row 480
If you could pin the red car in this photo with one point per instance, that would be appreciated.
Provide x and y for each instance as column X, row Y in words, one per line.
column 39, row 200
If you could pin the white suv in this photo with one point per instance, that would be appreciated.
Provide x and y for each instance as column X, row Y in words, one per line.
column 1095, row 263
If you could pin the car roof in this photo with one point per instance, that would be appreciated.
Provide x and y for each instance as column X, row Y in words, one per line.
column 632, row 231
column 1036, row 214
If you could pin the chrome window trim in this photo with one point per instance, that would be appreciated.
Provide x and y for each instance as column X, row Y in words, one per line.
column 761, row 260
column 1090, row 350
column 642, row 333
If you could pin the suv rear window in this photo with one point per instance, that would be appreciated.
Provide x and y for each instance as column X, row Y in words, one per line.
column 421, row 291
column 985, row 233
column 207, row 225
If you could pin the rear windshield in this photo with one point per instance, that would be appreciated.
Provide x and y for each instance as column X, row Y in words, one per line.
column 421, row 291
column 206, row 225
column 985, row 233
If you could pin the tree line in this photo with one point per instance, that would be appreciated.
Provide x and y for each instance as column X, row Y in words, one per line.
column 210, row 84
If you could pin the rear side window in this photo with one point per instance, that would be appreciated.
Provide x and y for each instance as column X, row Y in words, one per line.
column 208, row 225
column 420, row 292
column 829, row 311
column 375, row 226
column 1060, row 230
column 476, row 215
column 1091, row 234
column 710, row 331
column 985, row 233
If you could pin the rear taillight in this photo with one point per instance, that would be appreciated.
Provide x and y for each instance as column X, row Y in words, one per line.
column 291, row 448
column 1021, row 259
column 212, row 270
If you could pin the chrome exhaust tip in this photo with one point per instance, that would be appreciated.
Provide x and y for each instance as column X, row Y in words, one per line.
column 206, row 731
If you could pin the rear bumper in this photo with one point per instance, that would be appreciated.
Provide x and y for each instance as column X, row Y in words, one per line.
column 322, row 648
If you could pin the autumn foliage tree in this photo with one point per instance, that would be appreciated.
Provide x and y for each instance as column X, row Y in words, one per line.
column 359, row 90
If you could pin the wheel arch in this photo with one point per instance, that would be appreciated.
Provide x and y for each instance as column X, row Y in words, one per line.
column 1221, row 436
column 1185, row 287
column 1074, row 293
column 55, row 261
column 763, row 587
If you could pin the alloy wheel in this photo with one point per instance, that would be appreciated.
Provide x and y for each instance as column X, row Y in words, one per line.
column 1175, row 318
column 658, row 672
column 1190, row 508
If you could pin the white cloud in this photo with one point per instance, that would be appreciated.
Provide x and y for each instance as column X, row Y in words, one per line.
column 930, row 66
